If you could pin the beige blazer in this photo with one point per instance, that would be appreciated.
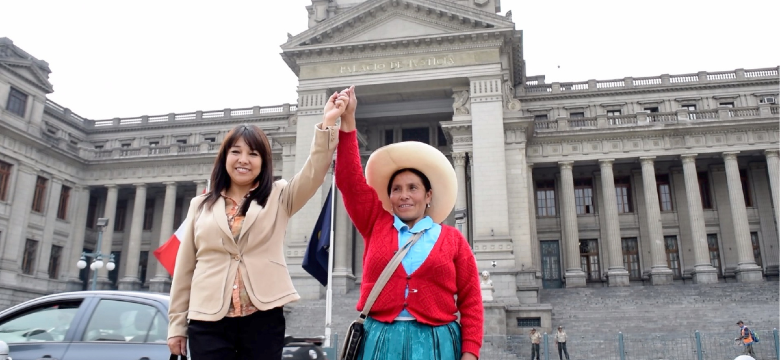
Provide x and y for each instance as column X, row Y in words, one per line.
column 209, row 258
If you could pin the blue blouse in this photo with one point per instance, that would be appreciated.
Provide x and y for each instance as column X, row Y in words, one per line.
column 417, row 254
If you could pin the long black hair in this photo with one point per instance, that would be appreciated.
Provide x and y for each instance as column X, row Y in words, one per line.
column 255, row 138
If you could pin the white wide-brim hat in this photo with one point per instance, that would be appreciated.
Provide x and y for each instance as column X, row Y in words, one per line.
column 419, row 156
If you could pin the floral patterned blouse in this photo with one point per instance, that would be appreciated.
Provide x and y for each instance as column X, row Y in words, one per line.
column 240, row 305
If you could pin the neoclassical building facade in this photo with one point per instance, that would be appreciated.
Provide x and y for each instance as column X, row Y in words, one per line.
column 619, row 182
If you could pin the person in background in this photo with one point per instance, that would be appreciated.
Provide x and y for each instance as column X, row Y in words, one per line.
column 230, row 281
column 536, row 339
column 560, row 340
column 409, row 188
column 746, row 337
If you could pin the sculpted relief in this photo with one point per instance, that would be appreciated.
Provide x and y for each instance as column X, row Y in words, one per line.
column 510, row 103
column 460, row 105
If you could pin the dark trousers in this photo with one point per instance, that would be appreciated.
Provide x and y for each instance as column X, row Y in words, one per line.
column 534, row 351
column 259, row 336
column 562, row 350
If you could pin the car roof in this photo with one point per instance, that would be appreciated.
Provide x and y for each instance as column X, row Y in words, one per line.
column 163, row 298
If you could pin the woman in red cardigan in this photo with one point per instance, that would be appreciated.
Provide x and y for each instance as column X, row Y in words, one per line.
column 410, row 187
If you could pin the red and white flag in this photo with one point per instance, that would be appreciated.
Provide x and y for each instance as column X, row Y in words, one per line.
column 166, row 254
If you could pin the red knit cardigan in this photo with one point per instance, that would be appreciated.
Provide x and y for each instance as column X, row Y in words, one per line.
column 450, row 269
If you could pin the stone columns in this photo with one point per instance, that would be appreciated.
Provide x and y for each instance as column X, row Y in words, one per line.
column 161, row 282
column 536, row 254
column 703, row 271
column 76, row 239
column 575, row 277
column 22, row 197
column 617, row 273
column 461, row 203
column 773, row 167
column 108, row 235
column 747, row 270
column 52, row 205
column 200, row 187
column 492, row 240
column 130, row 281
column 343, row 279
column 660, row 274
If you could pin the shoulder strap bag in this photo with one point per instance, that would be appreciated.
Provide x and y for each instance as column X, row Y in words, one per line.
column 351, row 348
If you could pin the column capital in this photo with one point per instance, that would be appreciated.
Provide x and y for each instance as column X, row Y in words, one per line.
column 688, row 158
column 730, row 155
column 568, row 165
column 772, row 152
column 111, row 186
column 140, row 185
column 197, row 182
column 28, row 169
column 78, row 187
column 459, row 158
column 647, row 160
column 606, row 162
column 173, row 183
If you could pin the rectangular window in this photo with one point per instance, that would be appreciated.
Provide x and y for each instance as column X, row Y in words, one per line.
column 746, row 188
column 712, row 244
column 143, row 260
column 756, row 249
column 389, row 136
column 416, row 134
column 673, row 255
column 726, row 104
column 28, row 259
column 181, row 141
column 54, row 262
column 154, row 143
column 98, row 147
column 613, row 113
column 62, row 209
column 92, row 212
column 177, row 212
column 5, row 179
column 540, row 117
column 664, row 192
column 583, row 196
column 40, row 194
column 149, row 215
column 589, row 259
column 125, row 145
column 545, row 198
column 623, row 194
column 689, row 107
column 120, row 216
column 210, row 139
column 631, row 258
column 529, row 322
column 704, row 190
column 652, row 109
column 17, row 102
column 441, row 138
column 577, row 115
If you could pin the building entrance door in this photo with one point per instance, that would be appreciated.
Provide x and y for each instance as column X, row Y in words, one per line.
column 551, row 265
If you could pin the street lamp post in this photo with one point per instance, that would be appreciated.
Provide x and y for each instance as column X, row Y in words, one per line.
column 97, row 256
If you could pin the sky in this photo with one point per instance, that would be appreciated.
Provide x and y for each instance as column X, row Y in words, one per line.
column 125, row 59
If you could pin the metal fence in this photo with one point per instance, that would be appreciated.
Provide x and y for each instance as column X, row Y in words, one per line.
column 601, row 345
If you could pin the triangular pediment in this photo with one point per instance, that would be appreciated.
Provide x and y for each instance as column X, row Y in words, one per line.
column 387, row 20
column 24, row 65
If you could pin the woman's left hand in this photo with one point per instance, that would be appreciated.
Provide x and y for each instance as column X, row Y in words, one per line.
column 335, row 106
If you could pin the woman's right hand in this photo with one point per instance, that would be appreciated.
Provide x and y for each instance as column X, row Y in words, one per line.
column 348, row 117
column 178, row 345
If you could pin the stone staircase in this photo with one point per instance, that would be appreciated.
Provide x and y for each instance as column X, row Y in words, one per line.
column 657, row 309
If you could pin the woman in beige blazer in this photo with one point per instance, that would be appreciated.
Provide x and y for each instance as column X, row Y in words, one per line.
column 231, row 281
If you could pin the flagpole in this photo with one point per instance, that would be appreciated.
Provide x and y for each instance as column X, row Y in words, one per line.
column 329, row 289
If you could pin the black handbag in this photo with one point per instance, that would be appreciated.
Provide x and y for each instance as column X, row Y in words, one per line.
column 178, row 357
column 351, row 348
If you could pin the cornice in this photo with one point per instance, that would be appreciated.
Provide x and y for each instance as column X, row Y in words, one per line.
column 644, row 90
column 184, row 124
column 644, row 135
column 42, row 83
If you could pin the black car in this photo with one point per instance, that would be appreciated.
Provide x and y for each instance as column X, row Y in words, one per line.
column 89, row 325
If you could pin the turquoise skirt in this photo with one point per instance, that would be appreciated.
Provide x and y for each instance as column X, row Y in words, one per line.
column 410, row 340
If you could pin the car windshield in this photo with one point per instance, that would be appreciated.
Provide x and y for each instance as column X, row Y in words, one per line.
column 43, row 323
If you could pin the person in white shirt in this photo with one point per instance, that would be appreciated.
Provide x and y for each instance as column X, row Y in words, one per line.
column 560, row 340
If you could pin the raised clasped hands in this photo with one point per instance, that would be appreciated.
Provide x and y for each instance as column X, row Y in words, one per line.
column 348, row 117
column 334, row 108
